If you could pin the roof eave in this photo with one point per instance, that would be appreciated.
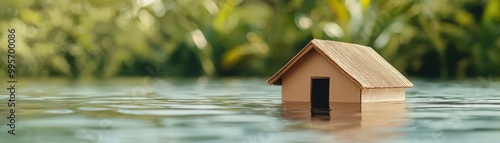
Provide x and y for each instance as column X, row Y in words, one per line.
column 378, row 87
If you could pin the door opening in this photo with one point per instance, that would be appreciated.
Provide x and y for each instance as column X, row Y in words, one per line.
column 320, row 91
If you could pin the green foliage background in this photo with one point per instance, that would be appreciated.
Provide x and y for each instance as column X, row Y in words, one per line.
column 106, row 38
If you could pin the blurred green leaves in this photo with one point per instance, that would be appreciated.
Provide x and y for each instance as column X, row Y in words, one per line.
column 106, row 38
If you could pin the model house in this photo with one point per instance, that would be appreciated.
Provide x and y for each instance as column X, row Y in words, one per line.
column 328, row 71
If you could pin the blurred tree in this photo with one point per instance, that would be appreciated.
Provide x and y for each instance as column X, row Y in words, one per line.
column 106, row 38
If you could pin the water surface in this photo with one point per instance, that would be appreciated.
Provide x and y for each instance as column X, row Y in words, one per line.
column 243, row 110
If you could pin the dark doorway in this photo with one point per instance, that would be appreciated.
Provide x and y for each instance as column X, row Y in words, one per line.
column 320, row 91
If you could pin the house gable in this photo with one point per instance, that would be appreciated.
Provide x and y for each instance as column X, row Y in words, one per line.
column 296, row 80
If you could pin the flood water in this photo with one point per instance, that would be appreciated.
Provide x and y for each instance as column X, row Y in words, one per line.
column 242, row 110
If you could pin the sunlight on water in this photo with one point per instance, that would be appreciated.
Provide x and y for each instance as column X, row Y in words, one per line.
column 60, row 111
column 234, row 110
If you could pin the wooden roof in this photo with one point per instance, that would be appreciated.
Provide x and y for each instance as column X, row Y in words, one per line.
column 360, row 63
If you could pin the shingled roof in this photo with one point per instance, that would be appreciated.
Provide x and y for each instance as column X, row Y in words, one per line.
column 360, row 63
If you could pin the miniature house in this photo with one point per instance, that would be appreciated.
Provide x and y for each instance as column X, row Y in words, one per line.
column 328, row 71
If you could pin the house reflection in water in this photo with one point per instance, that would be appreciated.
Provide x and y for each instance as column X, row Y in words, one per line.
column 352, row 122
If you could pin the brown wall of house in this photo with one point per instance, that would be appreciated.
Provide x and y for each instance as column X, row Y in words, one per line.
column 296, row 82
column 386, row 94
